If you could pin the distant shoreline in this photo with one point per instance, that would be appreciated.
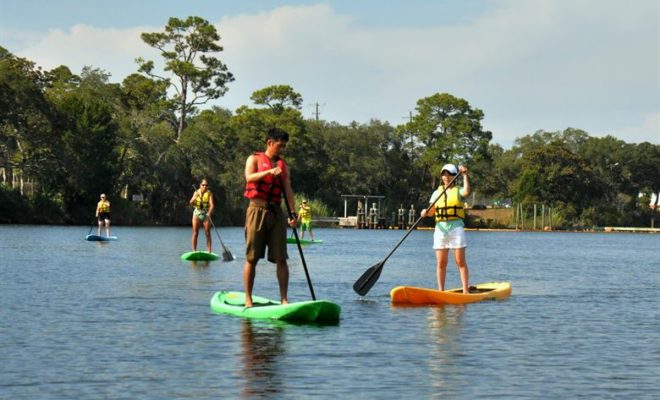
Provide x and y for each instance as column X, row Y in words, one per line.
column 607, row 229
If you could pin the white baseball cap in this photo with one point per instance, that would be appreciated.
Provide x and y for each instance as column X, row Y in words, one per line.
column 451, row 168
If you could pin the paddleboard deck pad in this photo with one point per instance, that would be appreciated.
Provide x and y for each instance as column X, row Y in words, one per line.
column 97, row 238
column 302, row 241
column 320, row 311
column 480, row 292
column 199, row 256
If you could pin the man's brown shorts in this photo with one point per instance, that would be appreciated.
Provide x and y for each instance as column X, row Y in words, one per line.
column 265, row 228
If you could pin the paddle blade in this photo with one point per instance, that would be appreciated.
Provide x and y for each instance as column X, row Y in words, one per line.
column 368, row 279
column 227, row 256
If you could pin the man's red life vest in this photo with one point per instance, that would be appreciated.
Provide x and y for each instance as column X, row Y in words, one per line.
column 268, row 188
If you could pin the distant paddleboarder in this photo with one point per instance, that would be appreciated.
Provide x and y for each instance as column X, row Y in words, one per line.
column 202, row 200
column 103, row 214
column 305, row 220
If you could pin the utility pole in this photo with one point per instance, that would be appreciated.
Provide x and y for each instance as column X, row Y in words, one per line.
column 316, row 110
column 410, row 119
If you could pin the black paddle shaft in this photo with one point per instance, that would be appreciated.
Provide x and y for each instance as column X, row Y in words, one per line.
column 370, row 276
column 295, row 234
column 226, row 254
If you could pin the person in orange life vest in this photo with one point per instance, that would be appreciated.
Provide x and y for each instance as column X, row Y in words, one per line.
column 449, row 232
column 103, row 214
column 267, row 180
column 202, row 200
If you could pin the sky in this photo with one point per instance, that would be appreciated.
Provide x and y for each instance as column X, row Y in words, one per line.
column 529, row 65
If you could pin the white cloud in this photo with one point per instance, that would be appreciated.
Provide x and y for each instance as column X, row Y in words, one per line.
column 113, row 50
column 647, row 131
column 528, row 65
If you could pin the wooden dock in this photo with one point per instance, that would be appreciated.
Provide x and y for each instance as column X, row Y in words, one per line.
column 631, row 230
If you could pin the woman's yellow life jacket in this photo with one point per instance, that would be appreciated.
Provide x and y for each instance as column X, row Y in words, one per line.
column 305, row 213
column 449, row 206
column 104, row 206
column 203, row 201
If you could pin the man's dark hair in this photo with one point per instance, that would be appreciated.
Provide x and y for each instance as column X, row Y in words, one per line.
column 277, row 134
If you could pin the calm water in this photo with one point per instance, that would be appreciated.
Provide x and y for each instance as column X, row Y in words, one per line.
column 128, row 319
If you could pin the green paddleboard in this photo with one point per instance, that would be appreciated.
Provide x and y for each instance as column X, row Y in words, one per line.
column 199, row 256
column 303, row 241
column 321, row 311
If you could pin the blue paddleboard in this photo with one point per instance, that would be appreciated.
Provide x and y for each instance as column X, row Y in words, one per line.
column 97, row 238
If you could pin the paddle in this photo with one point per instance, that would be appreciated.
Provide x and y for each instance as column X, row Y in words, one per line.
column 226, row 254
column 295, row 234
column 370, row 276
column 90, row 228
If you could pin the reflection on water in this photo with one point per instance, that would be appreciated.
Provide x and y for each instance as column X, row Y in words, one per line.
column 444, row 324
column 262, row 352
column 445, row 319
column 200, row 264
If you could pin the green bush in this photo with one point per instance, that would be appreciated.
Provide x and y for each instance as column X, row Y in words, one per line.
column 46, row 209
column 14, row 207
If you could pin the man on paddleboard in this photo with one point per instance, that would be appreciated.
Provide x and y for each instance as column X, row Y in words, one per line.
column 202, row 200
column 267, row 179
column 449, row 210
column 103, row 214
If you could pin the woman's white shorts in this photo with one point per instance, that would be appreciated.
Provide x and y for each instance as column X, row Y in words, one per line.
column 454, row 239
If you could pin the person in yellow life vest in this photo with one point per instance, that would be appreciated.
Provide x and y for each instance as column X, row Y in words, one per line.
column 305, row 219
column 103, row 214
column 449, row 212
column 202, row 200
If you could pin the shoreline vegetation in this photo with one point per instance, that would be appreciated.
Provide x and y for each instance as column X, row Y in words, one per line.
column 488, row 226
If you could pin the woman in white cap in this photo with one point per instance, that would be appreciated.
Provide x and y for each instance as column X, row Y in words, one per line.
column 449, row 212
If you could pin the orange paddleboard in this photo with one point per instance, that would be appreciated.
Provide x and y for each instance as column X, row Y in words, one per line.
column 480, row 292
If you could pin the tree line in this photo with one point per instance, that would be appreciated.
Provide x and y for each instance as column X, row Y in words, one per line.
column 147, row 140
